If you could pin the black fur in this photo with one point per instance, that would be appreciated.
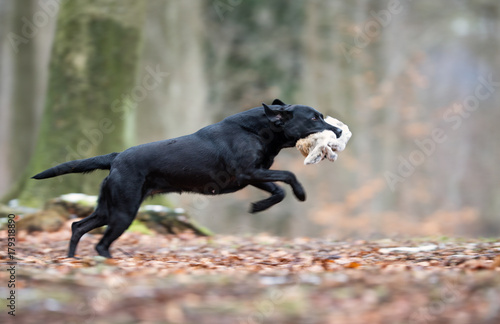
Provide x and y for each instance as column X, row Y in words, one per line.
column 220, row 158
column 101, row 162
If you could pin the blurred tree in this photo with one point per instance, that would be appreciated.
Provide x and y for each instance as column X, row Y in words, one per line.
column 24, row 99
column 92, row 75
column 5, row 85
column 243, row 69
column 26, row 32
column 173, row 42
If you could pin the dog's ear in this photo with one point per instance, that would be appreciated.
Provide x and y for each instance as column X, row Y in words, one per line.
column 278, row 102
column 277, row 116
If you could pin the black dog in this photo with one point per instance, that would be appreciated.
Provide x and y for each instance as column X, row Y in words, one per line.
column 220, row 158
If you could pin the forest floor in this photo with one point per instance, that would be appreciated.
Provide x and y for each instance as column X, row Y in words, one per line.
column 251, row 279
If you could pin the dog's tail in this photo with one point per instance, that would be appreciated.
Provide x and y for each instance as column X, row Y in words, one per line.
column 101, row 162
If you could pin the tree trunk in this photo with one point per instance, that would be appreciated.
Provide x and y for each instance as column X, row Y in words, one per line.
column 173, row 42
column 24, row 97
column 28, row 43
column 92, row 74
column 5, row 91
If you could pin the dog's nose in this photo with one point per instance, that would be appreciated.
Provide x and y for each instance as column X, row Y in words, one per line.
column 337, row 131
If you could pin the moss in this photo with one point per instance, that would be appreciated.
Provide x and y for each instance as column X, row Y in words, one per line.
column 200, row 229
column 158, row 200
column 139, row 227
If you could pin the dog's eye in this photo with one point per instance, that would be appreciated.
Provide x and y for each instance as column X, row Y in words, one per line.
column 315, row 118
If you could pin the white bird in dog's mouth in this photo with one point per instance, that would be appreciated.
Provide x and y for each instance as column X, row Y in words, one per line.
column 318, row 146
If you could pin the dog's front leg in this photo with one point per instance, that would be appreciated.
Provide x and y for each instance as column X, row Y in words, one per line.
column 263, row 175
column 277, row 195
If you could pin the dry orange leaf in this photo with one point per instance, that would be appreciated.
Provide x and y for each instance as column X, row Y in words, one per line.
column 111, row 262
column 352, row 265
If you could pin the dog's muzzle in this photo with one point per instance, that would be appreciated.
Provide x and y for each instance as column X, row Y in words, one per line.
column 337, row 131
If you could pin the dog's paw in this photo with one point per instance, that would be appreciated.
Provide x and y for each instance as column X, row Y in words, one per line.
column 74, row 257
column 299, row 192
column 257, row 207
column 103, row 251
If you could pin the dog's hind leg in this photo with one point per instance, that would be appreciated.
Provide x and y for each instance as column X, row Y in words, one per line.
column 277, row 195
column 113, row 232
column 97, row 219
column 125, row 200
column 81, row 227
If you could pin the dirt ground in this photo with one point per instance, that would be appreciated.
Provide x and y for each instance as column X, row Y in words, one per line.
column 251, row 279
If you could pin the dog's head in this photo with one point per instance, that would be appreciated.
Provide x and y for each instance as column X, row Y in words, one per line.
column 297, row 121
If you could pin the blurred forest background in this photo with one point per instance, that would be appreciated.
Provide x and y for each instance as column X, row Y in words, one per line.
column 416, row 81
